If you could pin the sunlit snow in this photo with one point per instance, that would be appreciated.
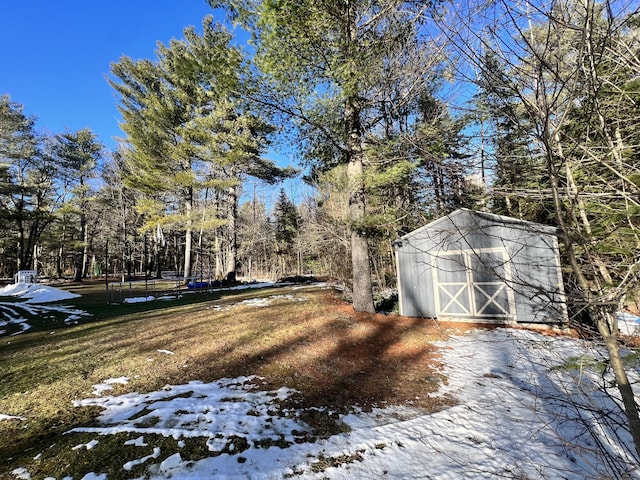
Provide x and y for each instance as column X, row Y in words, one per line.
column 36, row 293
column 528, row 406
column 37, row 304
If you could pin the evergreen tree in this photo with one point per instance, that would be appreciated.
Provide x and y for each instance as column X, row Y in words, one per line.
column 287, row 223
column 186, row 129
column 26, row 185
column 518, row 176
column 77, row 155
column 327, row 67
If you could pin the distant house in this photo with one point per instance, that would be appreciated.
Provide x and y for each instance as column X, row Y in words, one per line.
column 480, row 267
column 26, row 276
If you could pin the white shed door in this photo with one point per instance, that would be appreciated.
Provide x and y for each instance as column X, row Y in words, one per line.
column 473, row 284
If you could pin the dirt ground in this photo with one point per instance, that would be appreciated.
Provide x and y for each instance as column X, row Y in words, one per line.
column 360, row 359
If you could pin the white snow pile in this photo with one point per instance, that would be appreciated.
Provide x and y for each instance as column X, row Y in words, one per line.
column 528, row 406
column 15, row 316
column 36, row 293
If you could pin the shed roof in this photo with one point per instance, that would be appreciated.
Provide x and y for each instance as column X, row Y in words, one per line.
column 490, row 217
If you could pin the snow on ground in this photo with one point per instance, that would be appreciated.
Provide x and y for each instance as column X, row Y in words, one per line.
column 16, row 314
column 10, row 417
column 108, row 384
column 629, row 324
column 244, row 286
column 139, row 299
column 36, row 293
column 260, row 302
column 528, row 406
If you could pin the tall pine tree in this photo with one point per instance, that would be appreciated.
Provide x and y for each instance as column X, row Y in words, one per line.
column 326, row 68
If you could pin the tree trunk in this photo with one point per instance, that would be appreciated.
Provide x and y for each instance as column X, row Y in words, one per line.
column 158, row 264
column 606, row 323
column 218, row 255
column 60, row 256
column 85, row 252
column 81, row 258
column 188, row 237
column 360, row 262
column 78, row 274
column 232, row 258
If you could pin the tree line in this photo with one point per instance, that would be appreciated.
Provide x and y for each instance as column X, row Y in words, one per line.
column 69, row 210
column 198, row 123
column 548, row 132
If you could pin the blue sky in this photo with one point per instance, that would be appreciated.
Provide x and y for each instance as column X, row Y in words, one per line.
column 54, row 56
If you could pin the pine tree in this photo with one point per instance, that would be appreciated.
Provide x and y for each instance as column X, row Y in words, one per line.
column 27, row 177
column 286, row 221
column 77, row 155
column 518, row 169
column 326, row 68
column 187, row 130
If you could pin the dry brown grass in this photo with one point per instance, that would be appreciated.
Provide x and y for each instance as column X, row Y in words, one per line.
column 321, row 347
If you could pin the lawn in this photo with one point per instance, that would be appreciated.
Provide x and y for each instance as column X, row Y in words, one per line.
column 306, row 339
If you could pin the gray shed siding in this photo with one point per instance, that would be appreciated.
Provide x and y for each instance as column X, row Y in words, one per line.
column 474, row 266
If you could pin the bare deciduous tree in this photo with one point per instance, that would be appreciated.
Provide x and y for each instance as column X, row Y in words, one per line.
column 571, row 66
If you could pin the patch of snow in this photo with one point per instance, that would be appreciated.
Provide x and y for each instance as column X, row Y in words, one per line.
column 168, row 297
column 323, row 285
column 528, row 406
column 117, row 380
column 171, row 463
column 134, row 463
column 10, row 417
column 14, row 314
column 13, row 317
column 250, row 285
column 87, row 446
column 100, row 388
column 21, row 473
column 629, row 324
column 260, row 302
column 168, row 352
column 255, row 302
column 92, row 476
column 139, row 299
column 138, row 442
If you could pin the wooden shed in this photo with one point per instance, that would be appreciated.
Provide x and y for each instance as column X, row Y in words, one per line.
column 480, row 267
